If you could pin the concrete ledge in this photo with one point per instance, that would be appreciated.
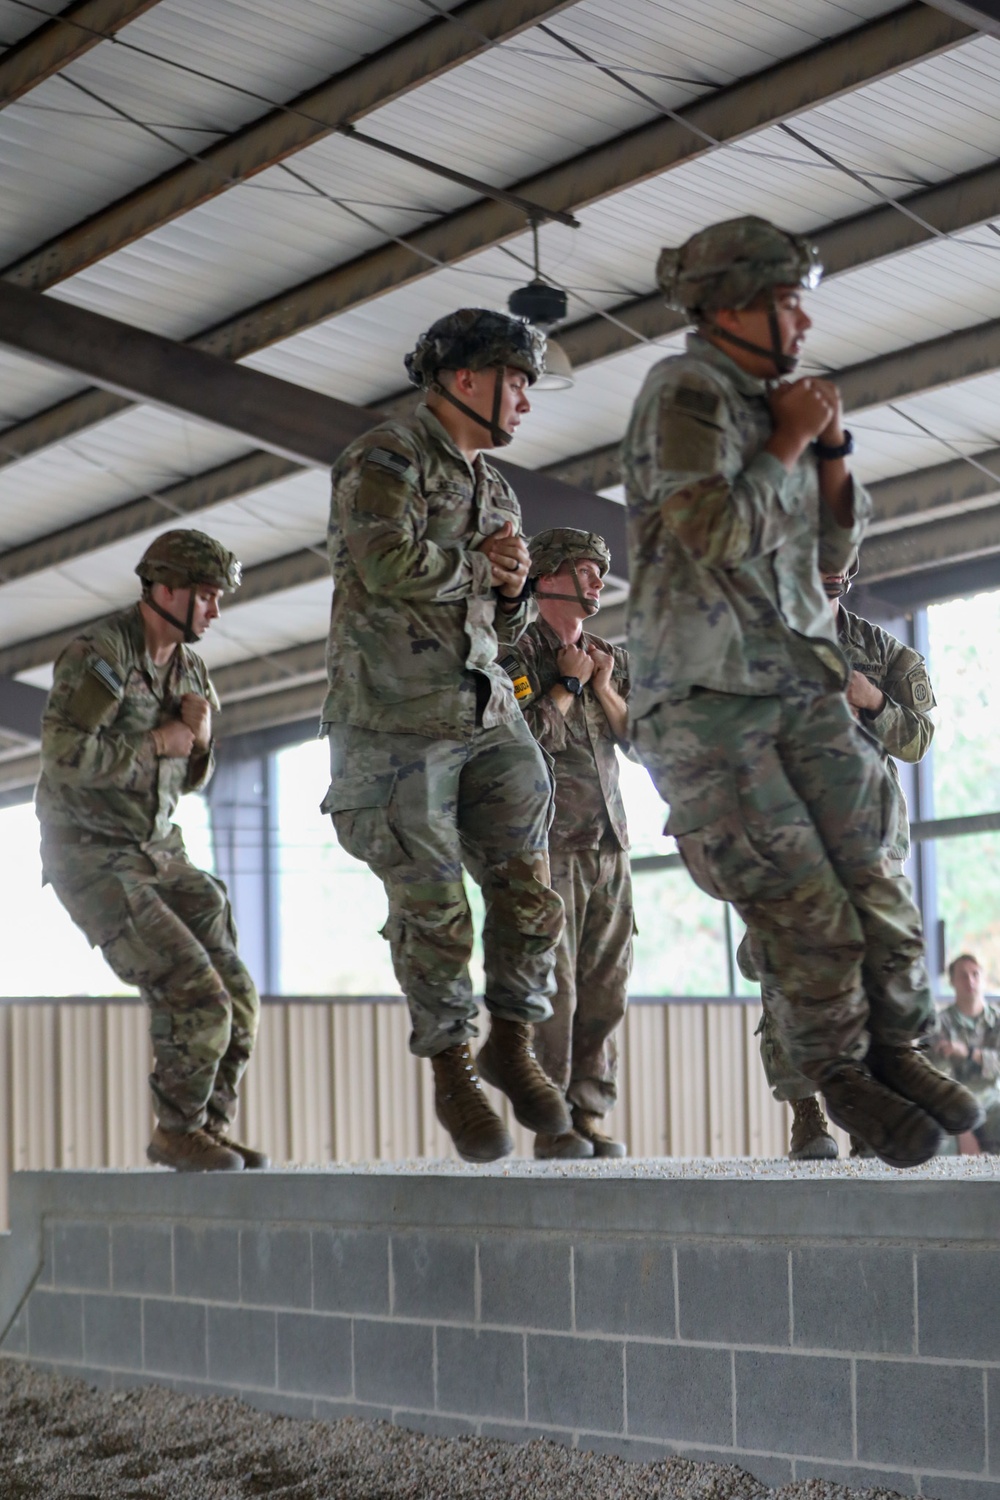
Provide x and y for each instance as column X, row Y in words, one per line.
column 813, row 1321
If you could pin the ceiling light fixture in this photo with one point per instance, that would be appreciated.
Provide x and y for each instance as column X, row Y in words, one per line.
column 544, row 305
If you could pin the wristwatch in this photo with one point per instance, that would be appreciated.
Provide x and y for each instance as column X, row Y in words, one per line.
column 841, row 450
column 572, row 685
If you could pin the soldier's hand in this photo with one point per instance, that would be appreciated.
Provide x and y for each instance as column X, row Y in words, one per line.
column 573, row 661
column 862, row 693
column 951, row 1049
column 603, row 663
column 173, row 739
column 801, row 410
column 833, row 432
column 196, row 713
column 509, row 559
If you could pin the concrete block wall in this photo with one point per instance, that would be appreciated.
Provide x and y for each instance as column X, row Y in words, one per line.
column 805, row 1328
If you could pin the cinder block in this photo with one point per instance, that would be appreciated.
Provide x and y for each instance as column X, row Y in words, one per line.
column 280, row 1404
column 624, row 1286
column 80, row 1256
column 993, row 1408
column 207, row 1262
column 394, row 1364
column 276, row 1267
column 433, row 1424
column 15, row 1340
column 314, row 1354
column 733, row 1294
column 434, row 1276
column 679, row 1392
column 921, row 1416
column 44, row 1277
column 576, row 1382
column 173, row 1338
column 773, row 1472
column 524, row 1283
column 855, row 1478
column 946, row 1487
column 242, row 1346
column 55, row 1326
column 141, row 1259
column 635, row 1450
column 350, row 1271
column 958, row 1295
column 336, row 1411
column 857, row 1299
column 515, row 1432
column 112, row 1331
column 481, row 1372
column 794, row 1404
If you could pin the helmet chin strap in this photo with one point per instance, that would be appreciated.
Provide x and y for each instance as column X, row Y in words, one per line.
column 499, row 435
column 784, row 364
column 190, row 638
column 589, row 606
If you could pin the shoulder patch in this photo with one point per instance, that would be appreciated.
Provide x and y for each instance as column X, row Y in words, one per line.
column 522, row 688
column 700, row 403
column 107, row 674
column 509, row 663
column 385, row 458
column 921, row 690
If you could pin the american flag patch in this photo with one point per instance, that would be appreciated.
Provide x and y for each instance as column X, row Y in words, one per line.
column 108, row 675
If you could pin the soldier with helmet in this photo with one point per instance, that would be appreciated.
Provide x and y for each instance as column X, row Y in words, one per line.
column 432, row 764
column 740, row 497
column 890, row 694
column 572, row 687
column 127, row 730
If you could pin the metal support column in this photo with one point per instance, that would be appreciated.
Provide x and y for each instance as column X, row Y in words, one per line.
column 241, row 801
column 924, row 857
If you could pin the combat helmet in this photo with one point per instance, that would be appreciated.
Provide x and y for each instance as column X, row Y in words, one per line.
column 559, row 544
column 729, row 265
column 477, row 338
column 183, row 559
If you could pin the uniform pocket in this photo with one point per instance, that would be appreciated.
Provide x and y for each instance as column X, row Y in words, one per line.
column 361, row 811
column 716, row 840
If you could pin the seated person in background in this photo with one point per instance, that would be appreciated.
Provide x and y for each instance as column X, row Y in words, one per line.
column 890, row 693
column 572, row 686
column 967, row 1045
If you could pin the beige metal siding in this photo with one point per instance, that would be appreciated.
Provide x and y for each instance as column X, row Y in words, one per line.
column 334, row 1081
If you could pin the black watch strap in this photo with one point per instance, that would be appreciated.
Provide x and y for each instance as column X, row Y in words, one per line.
column 572, row 685
column 841, row 450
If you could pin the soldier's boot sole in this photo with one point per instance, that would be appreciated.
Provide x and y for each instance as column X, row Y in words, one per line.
column 194, row 1151
column 811, row 1141
column 253, row 1160
column 477, row 1131
column 506, row 1062
column 566, row 1147
column 895, row 1129
column 586, row 1123
column 909, row 1073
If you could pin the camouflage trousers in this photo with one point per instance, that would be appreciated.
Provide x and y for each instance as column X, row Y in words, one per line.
column 780, row 805
column 577, row 1047
column 414, row 810
column 167, row 928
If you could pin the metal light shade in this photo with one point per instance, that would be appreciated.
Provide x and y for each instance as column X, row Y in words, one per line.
column 558, row 374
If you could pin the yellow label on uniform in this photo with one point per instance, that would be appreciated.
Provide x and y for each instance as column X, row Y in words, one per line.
column 522, row 688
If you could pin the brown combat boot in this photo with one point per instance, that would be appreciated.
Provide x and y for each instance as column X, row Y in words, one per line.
column 907, row 1071
column 191, row 1151
column 566, row 1147
column 897, row 1131
column 507, row 1062
column 859, row 1151
column 463, row 1109
column 811, row 1141
column 589, row 1126
column 253, row 1160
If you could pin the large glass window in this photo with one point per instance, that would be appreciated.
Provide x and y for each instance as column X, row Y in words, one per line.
column 680, row 947
column 964, row 637
column 968, row 898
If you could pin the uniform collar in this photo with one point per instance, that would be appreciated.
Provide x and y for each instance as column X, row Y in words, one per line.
column 137, row 633
column 437, row 430
column 749, row 385
column 551, row 639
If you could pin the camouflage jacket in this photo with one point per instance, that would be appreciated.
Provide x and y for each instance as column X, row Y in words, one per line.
column 588, row 798
column 725, row 544
column 415, row 617
column 100, row 770
column 903, row 725
column 979, row 1033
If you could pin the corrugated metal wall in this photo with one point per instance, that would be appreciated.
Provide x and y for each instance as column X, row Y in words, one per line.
column 334, row 1080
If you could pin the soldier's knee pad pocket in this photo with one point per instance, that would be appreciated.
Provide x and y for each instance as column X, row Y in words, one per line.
column 720, row 851
column 361, row 812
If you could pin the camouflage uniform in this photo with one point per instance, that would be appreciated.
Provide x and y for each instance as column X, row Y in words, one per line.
column 118, row 865
column 979, row 1033
column 903, row 728
column 778, row 797
column 431, row 762
column 588, row 853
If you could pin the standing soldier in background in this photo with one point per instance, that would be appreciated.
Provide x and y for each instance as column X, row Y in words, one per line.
column 891, row 696
column 739, row 495
column 572, row 687
column 967, row 1045
column 431, row 761
column 127, row 730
